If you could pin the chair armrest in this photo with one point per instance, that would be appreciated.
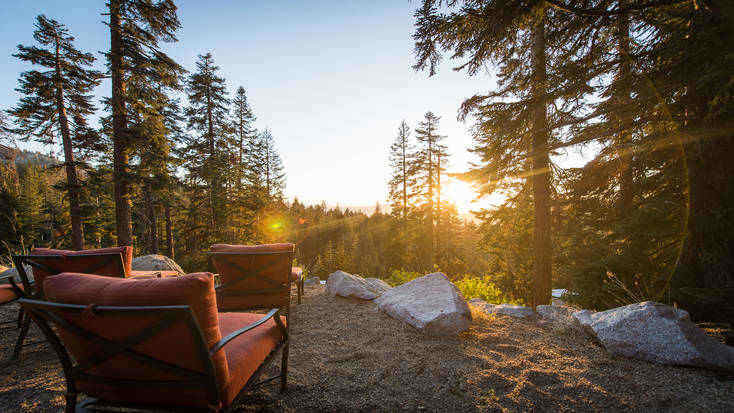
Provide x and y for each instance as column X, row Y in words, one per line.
column 221, row 343
column 19, row 291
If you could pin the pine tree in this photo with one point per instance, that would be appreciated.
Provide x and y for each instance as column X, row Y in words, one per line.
column 401, row 162
column 272, row 167
column 243, row 121
column 136, row 27
column 514, row 124
column 57, row 99
column 207, row 151
column 426, row 176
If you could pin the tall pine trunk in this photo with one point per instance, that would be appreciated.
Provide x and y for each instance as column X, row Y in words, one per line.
column 540, row 178
column 72, row 180
column 120, row 152
column 169, row 232
column 152, row 246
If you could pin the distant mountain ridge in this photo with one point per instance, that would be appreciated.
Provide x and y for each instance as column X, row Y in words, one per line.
column 9, row 154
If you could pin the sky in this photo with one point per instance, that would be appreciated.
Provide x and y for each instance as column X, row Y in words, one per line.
column 331, row 79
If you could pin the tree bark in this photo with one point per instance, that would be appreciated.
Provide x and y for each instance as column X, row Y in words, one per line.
column 152, row 246
column 120, row 141
column 540, row 178
column 72, row 180
column 169, row 232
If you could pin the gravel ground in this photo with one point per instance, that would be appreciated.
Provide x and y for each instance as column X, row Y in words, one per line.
column 345, row 355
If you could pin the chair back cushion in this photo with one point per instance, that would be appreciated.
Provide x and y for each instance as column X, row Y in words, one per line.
column 179, row 344
column 256, row 276
column 103, row 261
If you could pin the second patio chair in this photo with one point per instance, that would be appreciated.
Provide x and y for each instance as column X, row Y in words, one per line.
column 44, row 262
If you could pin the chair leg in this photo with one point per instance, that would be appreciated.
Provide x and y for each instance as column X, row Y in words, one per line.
column 284, row 368
column 20, row 317
column 70, row 403
column 26, row 323
column 300, row 290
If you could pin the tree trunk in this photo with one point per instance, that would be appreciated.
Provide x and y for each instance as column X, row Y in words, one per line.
column 540, row 178
column 120, row 151
column 169, row 232
column 72, row 180
column 152, row 244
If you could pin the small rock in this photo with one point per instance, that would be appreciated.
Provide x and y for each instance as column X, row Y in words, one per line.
column 517, row 311
column 431, row 304
column 348, row 285
column 311, row 281
column 155, row 262
column 556, row 314
column 12, row 272
column 658, row 333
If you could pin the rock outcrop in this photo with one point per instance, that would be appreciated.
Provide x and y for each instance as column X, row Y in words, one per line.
column 348, row 285
column 658, row 333
column 155, row 262
column 431, row 304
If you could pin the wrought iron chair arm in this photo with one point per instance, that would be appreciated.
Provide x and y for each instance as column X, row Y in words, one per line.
column 221, row 343
column 19, row 291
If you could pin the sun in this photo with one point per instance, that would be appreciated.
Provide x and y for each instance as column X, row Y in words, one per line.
column 460, row 194
column 463, row 195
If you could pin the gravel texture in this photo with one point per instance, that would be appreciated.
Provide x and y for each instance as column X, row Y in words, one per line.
column 346, row 355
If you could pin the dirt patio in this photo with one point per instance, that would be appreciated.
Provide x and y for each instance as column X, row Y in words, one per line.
column 345, row 355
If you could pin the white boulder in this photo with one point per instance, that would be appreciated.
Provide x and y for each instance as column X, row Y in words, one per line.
column 155, row 262
column 431, row 304
column 658, row 333
column 348, row 285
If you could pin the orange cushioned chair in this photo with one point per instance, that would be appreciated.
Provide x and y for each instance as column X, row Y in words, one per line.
column 153, row 343
column 255, row 276
column 112, row 262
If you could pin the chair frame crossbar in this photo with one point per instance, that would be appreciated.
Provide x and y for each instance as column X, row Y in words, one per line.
column 49, row 317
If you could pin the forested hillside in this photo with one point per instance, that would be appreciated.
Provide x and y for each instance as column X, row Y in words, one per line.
column 642, row 90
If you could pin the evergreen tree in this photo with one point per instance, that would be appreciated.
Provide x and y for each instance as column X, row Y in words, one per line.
column 401, row 162
column 136, row 28
column 272, row 167
column 207, row 151
column 56, row 100
column 427, row 170
column 514, row 123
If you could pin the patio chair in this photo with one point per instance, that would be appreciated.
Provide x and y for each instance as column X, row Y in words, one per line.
column 154, row 343
column 44, row 262
column 255, row 276
column 10, row 293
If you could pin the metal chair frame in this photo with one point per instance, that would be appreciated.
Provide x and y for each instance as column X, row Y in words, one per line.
column 33, row 291
column 247, row 273
column 46, row 314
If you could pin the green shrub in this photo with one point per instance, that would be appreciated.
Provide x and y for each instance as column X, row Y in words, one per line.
column 470, row 286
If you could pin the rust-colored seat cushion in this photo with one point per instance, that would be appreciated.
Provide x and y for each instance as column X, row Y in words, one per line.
column 152, row 274
column 7, row 293
column 254, row 276
column 284, row 247
column 174, row 345
column 248, row 351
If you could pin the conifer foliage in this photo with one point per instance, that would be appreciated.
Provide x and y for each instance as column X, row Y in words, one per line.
column 57, row 101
